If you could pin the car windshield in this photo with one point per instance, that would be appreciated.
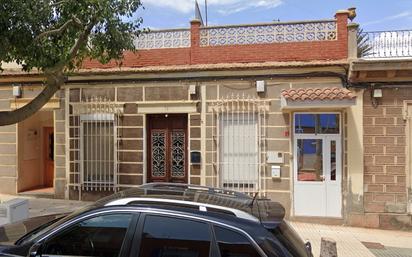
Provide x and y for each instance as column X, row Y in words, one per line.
column 51, row 225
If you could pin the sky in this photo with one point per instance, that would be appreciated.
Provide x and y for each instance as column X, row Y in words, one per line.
column 372, row 15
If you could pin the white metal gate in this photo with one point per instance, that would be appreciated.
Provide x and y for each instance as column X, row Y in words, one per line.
column 96, row 147
column 239, row 135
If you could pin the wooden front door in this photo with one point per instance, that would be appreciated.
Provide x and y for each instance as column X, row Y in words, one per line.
column 48, row 156
column 167, row 148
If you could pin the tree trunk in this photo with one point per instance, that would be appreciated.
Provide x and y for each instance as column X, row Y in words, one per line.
column 54, row 82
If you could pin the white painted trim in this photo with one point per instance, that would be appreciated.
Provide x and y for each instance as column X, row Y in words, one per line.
column 203, row 136
column 50, row 105
column 290, row 105
column 67, row 140
column 97, row 117
column 162, row 108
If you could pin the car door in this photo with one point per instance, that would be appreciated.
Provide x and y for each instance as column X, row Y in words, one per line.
column 163, row 235
column 102, row 234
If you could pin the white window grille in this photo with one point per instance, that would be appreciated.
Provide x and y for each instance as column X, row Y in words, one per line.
column 239, row 163
column 240, row 135
column 98, row 144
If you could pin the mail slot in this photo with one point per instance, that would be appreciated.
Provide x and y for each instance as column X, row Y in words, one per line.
column 195, row 158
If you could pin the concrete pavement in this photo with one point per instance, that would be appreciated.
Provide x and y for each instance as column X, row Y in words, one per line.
column 42, row 206
column 358, row 242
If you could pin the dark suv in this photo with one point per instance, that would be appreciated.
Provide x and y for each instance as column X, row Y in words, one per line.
column 162, row 219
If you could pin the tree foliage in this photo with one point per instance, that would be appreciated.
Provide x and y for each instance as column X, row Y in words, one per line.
column 364, row 47
column 55, row 36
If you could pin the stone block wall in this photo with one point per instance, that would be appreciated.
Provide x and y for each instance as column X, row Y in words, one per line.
column 131, row 131
column 60, row 147
column 385, row 159
column 279, row 132
column 8, row 147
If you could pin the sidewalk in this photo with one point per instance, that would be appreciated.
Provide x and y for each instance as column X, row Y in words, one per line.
column 351, row 241
column 42, row 206
column 358, row 242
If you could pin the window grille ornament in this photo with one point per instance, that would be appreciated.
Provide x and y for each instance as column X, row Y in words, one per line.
column 158, row 153
column 178, row 154
column 97, row 105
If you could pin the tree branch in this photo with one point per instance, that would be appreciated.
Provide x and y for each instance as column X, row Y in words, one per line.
column 59, row 3
column 81, row 40
column 11, row 117
column 60, row 30
column 55, row 79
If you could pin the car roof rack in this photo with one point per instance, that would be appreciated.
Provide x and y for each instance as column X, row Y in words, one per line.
column 204, row 207
column 195, row 188
column 200, row 197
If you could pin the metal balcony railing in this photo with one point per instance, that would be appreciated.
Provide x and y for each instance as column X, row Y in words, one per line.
column 385, row 44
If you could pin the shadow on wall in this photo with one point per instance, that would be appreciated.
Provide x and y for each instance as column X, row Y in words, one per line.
column 30, row 150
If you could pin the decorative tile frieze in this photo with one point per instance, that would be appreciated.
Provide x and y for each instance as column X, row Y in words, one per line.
column 269, row 33
column 164, row 39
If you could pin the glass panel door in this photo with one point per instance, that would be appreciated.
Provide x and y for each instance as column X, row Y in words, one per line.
column 310, row 160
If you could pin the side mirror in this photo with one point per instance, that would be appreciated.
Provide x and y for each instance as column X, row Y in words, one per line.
column 308, row 246
column 35, row 250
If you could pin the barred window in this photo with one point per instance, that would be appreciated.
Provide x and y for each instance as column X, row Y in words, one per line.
column 98, row 153
column 239, row 143
column 239, row 151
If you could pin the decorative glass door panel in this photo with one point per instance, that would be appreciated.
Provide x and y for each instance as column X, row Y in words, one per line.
column 167, row 148
column 178, row 153
column 310, row 160
column 158, row 143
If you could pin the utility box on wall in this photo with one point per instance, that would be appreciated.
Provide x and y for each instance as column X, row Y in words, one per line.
column 14, row 210
column 275, row 171
column 274, row 157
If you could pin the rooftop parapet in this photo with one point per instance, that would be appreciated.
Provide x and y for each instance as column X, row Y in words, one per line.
column 248, row 43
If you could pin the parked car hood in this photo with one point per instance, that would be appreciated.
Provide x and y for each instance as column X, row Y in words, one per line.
column 10, row 233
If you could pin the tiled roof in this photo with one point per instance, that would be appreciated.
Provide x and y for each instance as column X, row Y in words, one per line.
column 184, row 68
column 312, row 94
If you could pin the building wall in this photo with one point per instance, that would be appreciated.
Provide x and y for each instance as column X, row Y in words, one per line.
column 9, row 137
column 310, row 50
column 385, row 155
column 8, row 148
column 132, row 156
column 30, row 150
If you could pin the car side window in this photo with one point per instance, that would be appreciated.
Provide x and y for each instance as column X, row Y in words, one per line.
column 234, row 244
column 166, row 236
column 100, row 236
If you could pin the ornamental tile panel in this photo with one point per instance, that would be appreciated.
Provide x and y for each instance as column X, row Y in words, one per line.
column 269, row 33
column 164, row 39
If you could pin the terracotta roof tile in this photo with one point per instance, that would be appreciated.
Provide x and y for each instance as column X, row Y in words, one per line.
column 312, row 94
column 184, row 68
